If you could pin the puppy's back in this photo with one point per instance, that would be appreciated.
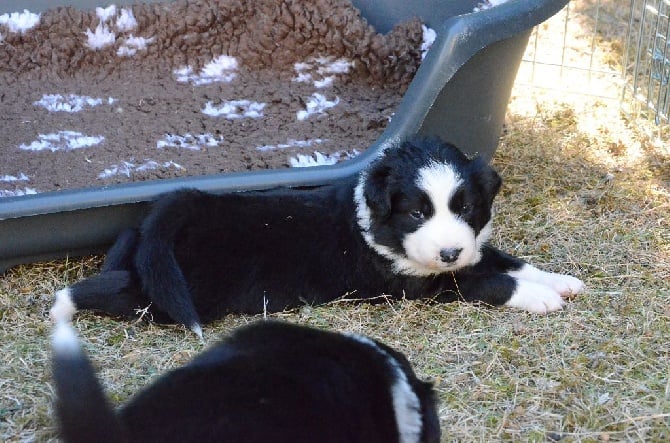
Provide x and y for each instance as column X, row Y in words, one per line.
column 273, row 381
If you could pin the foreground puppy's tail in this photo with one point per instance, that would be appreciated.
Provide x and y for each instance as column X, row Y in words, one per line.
column 82, row 408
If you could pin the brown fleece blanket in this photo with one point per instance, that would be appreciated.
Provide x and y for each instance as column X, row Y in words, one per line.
column 160, row 90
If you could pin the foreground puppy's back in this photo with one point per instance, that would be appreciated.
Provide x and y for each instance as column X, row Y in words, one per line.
column 267, row 382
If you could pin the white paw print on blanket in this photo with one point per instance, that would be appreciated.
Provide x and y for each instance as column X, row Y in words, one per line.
column 129, row 168
column 62, row 141
column 235, row 109
column 70, row 102
column 321, row 71
column 18, row 191
column 104, row 34
column 220, row 69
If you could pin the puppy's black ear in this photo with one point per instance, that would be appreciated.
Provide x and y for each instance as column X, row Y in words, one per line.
column 376, row 189
column 488, row 178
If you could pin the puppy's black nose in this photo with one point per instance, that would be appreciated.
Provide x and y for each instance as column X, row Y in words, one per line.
column 450, row 255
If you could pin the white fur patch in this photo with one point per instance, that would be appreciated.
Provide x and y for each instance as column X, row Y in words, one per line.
column 197, row 329
column 535, row 297
column 407, row 409
column 565, row 285
column 64, row 340
column 63, row 309
column 405, row 401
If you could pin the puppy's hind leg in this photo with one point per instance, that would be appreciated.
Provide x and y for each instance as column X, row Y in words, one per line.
column 164, row 283
column 111, row 292
column 120, row 256
column 155, row 262
column 166, row 287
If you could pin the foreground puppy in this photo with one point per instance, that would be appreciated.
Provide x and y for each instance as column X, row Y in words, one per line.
column 268, row 382
column 414, row 224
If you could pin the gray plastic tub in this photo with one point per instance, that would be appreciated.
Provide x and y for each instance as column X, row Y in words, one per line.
column 459, row 93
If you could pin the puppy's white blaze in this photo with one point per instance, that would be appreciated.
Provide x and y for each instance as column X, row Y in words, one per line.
column 406, row 403
column 535, row 297
column 565, row 285
column 63, row 309
column 444, row 229
column 64, row 340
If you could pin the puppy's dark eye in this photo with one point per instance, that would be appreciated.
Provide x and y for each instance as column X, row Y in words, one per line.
column 416, row 214
column 466, row 208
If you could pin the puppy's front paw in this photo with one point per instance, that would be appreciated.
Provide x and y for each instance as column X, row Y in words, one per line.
column 63, row 309
column 535, row 297
column 566, row 285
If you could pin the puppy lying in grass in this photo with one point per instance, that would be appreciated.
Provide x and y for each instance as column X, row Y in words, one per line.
column 414, row 224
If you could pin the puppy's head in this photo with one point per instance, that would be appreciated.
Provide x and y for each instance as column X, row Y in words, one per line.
column 426, row 207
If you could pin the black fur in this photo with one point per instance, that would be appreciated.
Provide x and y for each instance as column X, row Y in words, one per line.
column 198, row 256
column 267, row 382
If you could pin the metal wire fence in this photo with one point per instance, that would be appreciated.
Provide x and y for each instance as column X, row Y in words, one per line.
column 647, row 60
column 611, row 49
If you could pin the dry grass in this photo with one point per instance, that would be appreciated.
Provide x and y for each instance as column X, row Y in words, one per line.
column 584, row 194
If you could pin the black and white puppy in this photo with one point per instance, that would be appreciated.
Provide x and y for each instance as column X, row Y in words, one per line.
column 267, row 382
column 414, row 224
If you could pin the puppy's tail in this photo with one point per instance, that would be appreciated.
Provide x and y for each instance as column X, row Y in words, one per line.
column 83, row 411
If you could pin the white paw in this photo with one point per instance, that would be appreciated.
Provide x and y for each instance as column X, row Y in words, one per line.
column 535, row 297
column 63, row 309
column 566, row 285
